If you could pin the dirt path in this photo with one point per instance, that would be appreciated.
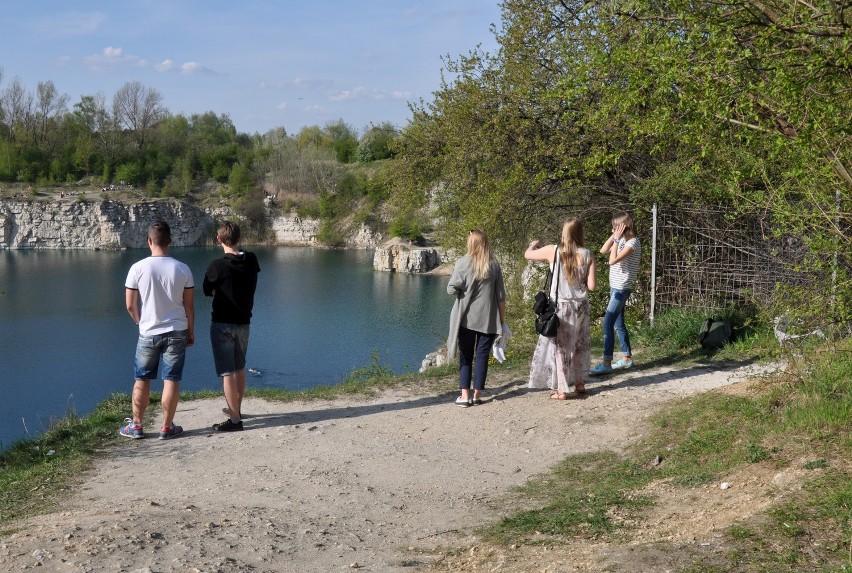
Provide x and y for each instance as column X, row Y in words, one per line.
column 375, row 484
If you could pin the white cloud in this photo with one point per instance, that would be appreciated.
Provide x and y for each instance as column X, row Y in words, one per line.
column 192, row 68
column 165, row 65
column 113, row 57
column 348, row 95
column 282, row 105
column 363, row 93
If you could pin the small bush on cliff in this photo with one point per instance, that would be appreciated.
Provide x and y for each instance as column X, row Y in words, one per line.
column 406, row 226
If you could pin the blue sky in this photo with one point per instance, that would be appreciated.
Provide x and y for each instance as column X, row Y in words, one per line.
column 266, row 64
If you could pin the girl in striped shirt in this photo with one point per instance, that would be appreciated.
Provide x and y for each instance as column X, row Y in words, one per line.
column 624, row 252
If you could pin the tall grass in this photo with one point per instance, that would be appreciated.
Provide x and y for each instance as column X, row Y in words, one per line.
column 36, row 474
column 801, row 418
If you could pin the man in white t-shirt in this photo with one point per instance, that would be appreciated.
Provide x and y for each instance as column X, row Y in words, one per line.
column 166, row 320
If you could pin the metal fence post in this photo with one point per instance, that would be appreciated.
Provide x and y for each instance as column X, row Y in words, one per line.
column 653, row 264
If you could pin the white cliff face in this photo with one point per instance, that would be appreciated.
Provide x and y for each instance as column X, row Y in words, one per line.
column 97, row 225
column 27, row 224
column 364, row 238
column 293, row 230
column 403, row 259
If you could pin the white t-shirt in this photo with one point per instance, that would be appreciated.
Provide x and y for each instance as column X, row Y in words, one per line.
column 160, row 282
column 623, row 274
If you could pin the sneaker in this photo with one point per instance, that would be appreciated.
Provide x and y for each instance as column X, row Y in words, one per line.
column 476, row 402
column 622, row 363
column 229, row 426
column 167, row 433
column 462, row 403
column 601, row 369
column 131, row 430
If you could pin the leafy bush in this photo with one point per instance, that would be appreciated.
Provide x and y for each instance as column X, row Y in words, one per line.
column 406, row 227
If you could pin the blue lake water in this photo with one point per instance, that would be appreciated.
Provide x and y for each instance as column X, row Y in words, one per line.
column 67, row 342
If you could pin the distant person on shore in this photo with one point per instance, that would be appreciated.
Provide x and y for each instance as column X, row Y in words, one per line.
column 624, row 255
column 231, row 281
column 478, row 315
column 563, row 361
column 166, row 319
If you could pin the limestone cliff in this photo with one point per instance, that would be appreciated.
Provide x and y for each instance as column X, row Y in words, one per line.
column 97, row 225
column 72, row 224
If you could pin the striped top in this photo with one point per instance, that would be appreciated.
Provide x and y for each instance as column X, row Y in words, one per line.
column 623, row 274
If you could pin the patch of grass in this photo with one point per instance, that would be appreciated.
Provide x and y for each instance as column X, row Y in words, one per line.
column 804, row 413
column 705, row 436
column 580, row 497
column 37, row 474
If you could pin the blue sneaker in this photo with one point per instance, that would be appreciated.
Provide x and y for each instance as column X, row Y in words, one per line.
column 131, row 430
column 167, row 433
column 601, row 369
column 622, row 363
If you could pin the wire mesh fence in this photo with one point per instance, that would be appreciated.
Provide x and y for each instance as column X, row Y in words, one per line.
column 713, row 258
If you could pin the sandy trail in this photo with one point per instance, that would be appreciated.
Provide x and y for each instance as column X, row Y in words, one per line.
column 354, row 483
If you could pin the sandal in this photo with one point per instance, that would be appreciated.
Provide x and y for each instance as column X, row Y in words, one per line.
column 558, row 396
column 580, row 387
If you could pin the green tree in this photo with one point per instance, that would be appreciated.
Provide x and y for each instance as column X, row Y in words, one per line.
column 344, row 140
column 377, row 143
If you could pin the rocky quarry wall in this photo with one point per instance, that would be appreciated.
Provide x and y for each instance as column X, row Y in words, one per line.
column 27, row 224
column 104, row 225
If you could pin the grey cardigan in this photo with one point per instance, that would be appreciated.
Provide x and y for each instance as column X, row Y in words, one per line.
column 476, row 301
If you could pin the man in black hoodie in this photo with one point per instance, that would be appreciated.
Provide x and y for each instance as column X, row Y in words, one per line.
column 231, row 281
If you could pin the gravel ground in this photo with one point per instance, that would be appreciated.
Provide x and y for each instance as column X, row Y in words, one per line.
column 380, row 484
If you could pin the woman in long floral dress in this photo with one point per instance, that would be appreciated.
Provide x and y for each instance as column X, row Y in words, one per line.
column 562, row 362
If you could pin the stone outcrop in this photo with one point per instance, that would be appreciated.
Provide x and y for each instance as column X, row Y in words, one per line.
column 291, row 229
column 97, row 225
column 434, row 359
column 397, row 257
column 364, row 238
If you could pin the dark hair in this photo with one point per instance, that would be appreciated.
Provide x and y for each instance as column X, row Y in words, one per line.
column 229, row 234
column 160, row 233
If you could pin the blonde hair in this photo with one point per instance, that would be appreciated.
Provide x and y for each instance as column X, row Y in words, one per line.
column 569, row 243
column 478, row 250
column 629, row 227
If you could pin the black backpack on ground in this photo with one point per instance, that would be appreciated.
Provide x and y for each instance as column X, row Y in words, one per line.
column 715, row 333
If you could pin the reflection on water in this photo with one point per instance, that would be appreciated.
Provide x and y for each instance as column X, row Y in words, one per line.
column 66, row 341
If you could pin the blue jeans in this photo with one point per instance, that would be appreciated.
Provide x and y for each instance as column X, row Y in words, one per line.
column 170, row 346
column 614, row 320
column 474, row 352
column 230, row 344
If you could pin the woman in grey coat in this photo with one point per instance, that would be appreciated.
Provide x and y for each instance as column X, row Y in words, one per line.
column 478, row 315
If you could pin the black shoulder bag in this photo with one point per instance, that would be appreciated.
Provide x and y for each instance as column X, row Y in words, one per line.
column 546, row 322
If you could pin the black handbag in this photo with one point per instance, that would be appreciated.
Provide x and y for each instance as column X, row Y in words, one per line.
column 546, row 322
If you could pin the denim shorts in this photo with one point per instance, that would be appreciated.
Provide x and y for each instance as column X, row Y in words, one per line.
column 230, row 343
column 170, row 346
